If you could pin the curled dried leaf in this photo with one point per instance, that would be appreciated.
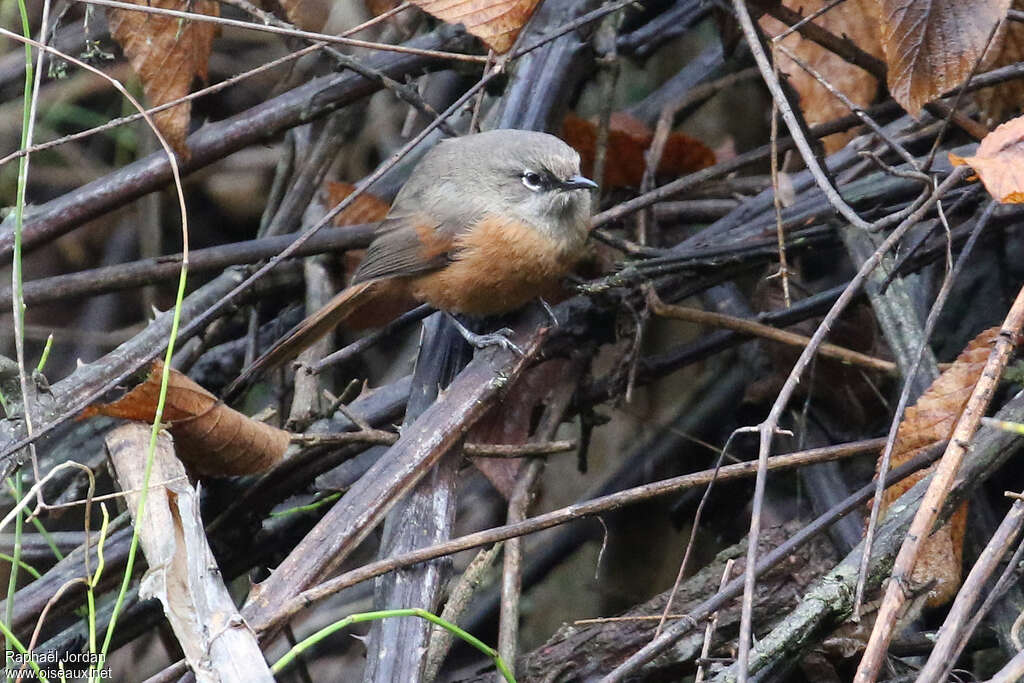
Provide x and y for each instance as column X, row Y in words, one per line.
column 211, row 438
column 932, row 419
column 1000, row 162
column 167, row 53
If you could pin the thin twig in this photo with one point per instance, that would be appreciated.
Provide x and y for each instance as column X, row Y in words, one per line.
column 807, row 19
column 850, row 52
column 709, row 630
column 756, row 329
column 512, row 570
column 780, row 233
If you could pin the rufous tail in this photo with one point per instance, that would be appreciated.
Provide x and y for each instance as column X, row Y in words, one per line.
column 307, row 332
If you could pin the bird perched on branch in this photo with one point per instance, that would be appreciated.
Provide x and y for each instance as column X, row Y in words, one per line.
column 485, row 224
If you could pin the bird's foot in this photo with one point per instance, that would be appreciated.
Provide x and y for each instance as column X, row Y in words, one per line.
column 496, row 338
column 482, row 341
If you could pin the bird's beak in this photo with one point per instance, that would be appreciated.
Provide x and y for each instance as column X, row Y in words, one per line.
column 578, row 182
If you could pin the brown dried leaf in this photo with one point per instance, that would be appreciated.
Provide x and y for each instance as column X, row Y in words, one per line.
column 858, row 21
column 931, row 46
column 495, row 22
column 167, row 53
column 932, row 419
column 628, row 139
column 1000, row 162
column 1006, row 99
column 309, row 15
column 366, row 208
column 209, row 437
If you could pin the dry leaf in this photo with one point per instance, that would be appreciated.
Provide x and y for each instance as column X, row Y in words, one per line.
column 495, row 22
column 932, row 419
column 858, row 21
column 366, row 208
column 931, row 46
column 309, row 15
column 1000, row 162
column 1006, row 99
column 628, row 139
column 167, row 53
column 209, row 437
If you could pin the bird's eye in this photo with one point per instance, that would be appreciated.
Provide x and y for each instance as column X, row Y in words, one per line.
column 533, row 181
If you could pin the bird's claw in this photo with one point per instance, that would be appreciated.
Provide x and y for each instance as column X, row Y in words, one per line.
column 496, row 338
column 482, row 341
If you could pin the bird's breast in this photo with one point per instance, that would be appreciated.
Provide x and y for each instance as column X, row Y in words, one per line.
column 499, row 265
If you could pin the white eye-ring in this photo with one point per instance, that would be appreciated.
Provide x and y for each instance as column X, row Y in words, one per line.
column 533, row 181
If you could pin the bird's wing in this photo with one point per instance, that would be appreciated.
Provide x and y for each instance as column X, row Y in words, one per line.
column 413, row 243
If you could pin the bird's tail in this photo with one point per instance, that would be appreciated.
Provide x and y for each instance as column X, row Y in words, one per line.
column 347, row 303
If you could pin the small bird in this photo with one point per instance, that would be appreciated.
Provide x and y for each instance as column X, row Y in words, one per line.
column 485, row 224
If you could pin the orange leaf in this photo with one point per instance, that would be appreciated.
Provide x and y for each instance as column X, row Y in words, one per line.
column 932, row 419
column 628, row 140
column 167, row 53
column 931, row 46
column 1000, row 162
column 366, row 208
column 209, row 437
column 495, row 22
column 857, row 20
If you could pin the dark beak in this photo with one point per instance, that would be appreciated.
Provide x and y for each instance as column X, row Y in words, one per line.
column 578, row 182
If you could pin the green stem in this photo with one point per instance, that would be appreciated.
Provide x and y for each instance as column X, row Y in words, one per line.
column 21, row 563
column 18, row 309
column 315, row 638
column 13, row 639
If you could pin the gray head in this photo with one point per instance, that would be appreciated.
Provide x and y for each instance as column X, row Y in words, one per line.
column 532, row 176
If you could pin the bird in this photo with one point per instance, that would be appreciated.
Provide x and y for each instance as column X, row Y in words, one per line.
column 485, row 224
